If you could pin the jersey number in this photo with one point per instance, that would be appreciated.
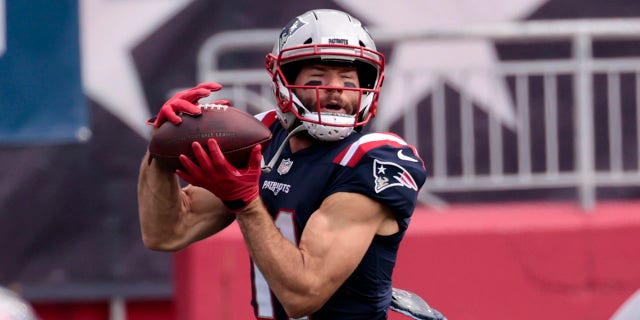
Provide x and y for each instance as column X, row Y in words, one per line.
column 284, row 222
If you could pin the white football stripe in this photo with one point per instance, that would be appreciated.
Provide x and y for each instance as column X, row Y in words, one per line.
column 372, row 137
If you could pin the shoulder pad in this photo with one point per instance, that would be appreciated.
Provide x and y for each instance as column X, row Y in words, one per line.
column 352, row 154
column 268, row 118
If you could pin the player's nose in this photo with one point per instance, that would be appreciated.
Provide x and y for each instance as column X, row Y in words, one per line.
column 334, row 82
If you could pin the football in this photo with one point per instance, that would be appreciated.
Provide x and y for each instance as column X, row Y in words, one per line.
column 236, row 131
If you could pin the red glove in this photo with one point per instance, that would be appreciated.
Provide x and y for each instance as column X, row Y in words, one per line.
column 235, row 187
column 185, row 102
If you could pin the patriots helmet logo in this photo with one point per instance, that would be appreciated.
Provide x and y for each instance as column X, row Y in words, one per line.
column 288, row 30
column 389, row 174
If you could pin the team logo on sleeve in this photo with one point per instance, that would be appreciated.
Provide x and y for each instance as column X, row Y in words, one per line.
column 389, row 174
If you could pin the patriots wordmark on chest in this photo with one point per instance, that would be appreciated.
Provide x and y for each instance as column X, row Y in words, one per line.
column 276, row 187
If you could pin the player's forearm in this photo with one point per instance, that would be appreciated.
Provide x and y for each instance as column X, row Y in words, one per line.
column 158, row 204
column 280, row 261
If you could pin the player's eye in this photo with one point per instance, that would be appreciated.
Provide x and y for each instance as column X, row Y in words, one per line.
column 313, row 83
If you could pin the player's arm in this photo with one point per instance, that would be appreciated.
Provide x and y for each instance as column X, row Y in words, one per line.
column 332, row 245
column 172, row 217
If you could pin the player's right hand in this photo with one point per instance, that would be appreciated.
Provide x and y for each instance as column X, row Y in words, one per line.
column 236, row 187
column 185, row 102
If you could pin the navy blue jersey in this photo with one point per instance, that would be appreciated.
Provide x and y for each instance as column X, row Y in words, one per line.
column 381, row 166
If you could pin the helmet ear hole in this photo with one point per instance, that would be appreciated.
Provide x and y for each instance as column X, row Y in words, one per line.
column 367, row 74
column 291, row 70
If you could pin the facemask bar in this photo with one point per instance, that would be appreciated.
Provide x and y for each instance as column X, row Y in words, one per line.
column 307, row 114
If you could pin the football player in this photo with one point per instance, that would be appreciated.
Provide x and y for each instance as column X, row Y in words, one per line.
column 324, row 208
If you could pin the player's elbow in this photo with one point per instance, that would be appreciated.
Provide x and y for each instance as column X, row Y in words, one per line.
column 158, row 244
column 298, row 306
column 301, row 309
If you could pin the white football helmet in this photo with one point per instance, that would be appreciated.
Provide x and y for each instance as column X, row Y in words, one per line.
column 325, row 36
column 15, row 307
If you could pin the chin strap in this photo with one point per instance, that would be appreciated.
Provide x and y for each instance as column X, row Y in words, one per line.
column 276, row 156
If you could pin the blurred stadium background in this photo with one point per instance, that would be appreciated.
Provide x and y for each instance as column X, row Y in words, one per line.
column 526, row 111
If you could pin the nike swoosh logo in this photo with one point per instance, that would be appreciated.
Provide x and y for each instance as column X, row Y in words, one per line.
column 401, row 156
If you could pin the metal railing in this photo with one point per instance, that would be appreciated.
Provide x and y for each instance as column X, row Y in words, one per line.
column 575, row 124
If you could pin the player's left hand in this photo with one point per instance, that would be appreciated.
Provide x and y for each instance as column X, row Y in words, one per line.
column 235, row 187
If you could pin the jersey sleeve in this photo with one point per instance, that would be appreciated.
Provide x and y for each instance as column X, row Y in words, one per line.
column 268, row 118
column 385, row 168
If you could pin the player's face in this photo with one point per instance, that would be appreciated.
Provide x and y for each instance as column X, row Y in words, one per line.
column 338, row 99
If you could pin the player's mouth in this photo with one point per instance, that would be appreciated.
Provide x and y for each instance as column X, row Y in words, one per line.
column 334, row 107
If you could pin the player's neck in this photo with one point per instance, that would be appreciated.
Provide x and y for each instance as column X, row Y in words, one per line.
column 300, row 141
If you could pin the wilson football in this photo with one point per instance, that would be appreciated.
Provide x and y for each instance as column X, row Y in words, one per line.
column 236, row 131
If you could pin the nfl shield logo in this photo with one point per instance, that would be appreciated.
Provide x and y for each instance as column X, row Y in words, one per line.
column 284, row 166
